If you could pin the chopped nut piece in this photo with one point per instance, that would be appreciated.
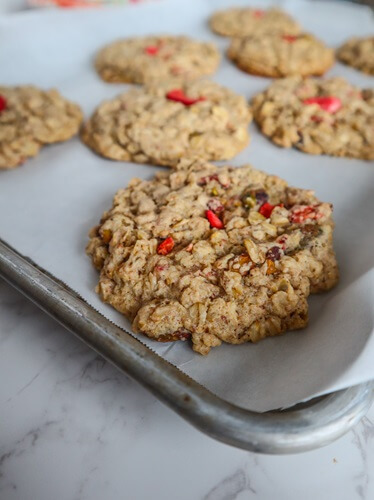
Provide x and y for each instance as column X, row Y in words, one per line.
column 301, row 214
column 256, row 217
column 254, row 252
column 273, row 253
column 106, row 235
column 271, row 269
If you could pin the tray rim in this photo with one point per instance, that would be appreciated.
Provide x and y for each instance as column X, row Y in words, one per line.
column 307, row 426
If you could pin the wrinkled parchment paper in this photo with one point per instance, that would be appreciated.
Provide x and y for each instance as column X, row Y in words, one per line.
column 48, row 205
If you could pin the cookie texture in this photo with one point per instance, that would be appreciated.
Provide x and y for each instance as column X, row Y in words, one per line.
column 161, row 124
column 238, row 22
column 277, row 55
column 358, row 53
column 31, row 118
column 156, row 58
column 213, row 254
column 318, row 116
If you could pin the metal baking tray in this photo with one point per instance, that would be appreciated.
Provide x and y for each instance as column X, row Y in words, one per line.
column 303, row 427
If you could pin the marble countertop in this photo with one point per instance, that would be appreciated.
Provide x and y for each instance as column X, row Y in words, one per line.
column 73, row 428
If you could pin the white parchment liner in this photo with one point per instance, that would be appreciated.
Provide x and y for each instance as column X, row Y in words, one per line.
column 48, row 206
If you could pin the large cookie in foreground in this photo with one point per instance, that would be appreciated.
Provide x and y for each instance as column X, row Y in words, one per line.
column 161, row 124
column 213, row 254
column 31, row 118
column 277, row 55
column 238, row 22
column 318, row 116
column 358, row 53
column 156, row 58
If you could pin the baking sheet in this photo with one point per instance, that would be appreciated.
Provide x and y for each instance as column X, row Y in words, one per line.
column 48, row 205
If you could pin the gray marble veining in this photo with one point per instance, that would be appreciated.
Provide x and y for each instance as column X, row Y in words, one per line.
column 73, row 428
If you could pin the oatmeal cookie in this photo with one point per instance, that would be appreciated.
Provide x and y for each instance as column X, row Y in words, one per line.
column 358, row 53
column 318, row 116
column 156, row 58
column 31, row 118
column 238, row 22
column 279, row 55
column 213, row 254
column 161, row 124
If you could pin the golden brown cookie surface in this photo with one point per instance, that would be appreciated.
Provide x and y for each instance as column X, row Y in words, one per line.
column 215, row 254
column 161, row 124
column 318, row 116
column 238, row 22
column 31, row 118
column 358, row 53
column 279, row 55
column 155, row 59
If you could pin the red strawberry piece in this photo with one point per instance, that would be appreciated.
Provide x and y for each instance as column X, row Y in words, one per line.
column 215, row 206
column 214, row 221
column 166, row 246
column 151, row 50
column 289, row 38
column 204, row 180
column 266, row 209
column 328, row 103
column 178, row 95
column 258, row 13
column 282, row 241
column 301, row 214
column 3, row 103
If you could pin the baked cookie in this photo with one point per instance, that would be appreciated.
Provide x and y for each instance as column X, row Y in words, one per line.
column 213, row 254
column 358, row 53
column 161, row 124
column 156, row 58
column 318, row 116
column 31, row 118
column 238, row 22
column 277, row 55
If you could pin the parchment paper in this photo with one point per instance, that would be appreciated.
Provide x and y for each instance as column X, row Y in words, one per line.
column 48, row 205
